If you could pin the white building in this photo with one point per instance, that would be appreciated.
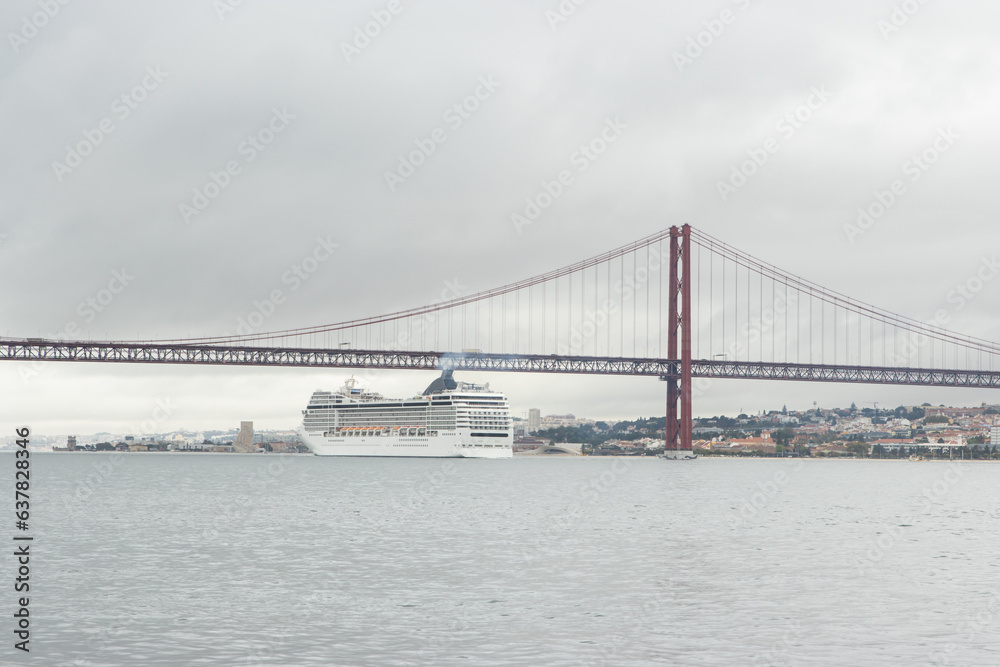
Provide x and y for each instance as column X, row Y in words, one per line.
column 995, row 436
column 534, row 420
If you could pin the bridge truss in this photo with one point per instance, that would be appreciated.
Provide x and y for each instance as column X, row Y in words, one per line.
column 149, row 353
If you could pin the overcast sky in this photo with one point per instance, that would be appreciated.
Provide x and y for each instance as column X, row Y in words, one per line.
column 115, row 113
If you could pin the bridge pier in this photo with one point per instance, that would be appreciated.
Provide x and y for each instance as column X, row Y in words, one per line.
column 677, row 435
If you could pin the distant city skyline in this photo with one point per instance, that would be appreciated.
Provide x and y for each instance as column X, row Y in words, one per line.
column 137, row 428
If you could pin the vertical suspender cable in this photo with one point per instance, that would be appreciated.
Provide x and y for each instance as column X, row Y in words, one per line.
column 659, row 299
column 698, row 304
column 543, row 316
column 760, row 333
column 595, row 334
column 835, row 331
column 798, row 325
column 569, row 316
column 503, row 323
column 517, row 323
column 772, row 324
column 555, row 338
column 724, row 309
column 646, row 314
column 784, row 320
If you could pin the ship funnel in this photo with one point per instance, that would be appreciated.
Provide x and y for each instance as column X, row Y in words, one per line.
column 446, row 381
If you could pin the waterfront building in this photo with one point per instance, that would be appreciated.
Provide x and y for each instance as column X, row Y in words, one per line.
column 534, row 420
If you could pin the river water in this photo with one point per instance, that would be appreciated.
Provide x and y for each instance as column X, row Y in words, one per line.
column 188, row 559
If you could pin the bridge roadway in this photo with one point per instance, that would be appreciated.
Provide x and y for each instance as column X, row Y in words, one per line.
column 34, row 349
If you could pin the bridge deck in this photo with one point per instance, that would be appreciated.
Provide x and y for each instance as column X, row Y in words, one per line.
column 150, row 353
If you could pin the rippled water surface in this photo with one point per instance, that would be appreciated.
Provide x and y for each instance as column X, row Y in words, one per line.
column 162, row 559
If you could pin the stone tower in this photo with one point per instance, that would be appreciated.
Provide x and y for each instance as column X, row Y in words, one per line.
column 244, row 441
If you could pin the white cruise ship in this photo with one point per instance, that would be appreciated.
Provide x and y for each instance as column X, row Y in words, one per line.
column 450, row 419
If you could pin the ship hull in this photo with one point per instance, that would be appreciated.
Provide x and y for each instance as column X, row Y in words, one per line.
column 442, row 446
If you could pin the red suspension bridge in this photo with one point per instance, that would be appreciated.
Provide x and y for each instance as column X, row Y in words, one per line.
column 676, row 305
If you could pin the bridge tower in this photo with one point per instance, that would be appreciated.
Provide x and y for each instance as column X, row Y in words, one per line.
column 679, row 421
